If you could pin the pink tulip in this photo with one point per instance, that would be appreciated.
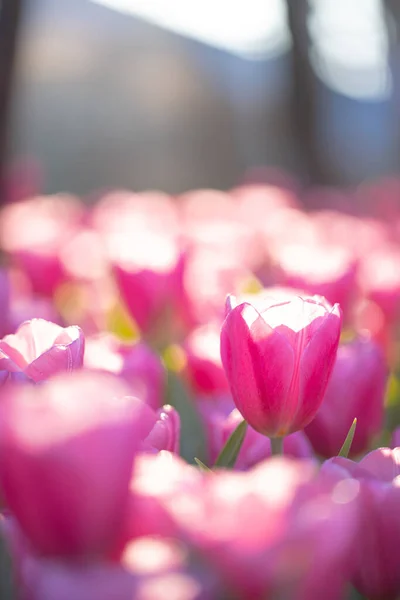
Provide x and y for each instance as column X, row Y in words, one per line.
column 376, row 573
column 139, row 366
column 203, row 367
column 278, row 361
column 40, row 349
column 319, row 269
column 165, row 434
column 274, row 531
column 147, row 267
column 153, row 570
column 379, row 280
column 66, row 453
column 356, row 390
column 221, row 418
column 158, row 479
column 33, row 232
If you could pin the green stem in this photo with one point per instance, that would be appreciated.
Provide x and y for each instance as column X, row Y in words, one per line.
column 277, row 446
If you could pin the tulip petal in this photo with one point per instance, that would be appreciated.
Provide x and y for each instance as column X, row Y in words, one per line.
column 259, row 365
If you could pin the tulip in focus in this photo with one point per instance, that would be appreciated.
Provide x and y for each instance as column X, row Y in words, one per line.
column 356, row 390
column 278, row 361
column 40, row 349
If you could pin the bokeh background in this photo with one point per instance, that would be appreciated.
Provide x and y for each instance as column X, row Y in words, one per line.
column 175, row 95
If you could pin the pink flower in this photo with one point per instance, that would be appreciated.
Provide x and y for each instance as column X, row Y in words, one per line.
column 139, row 366
column 221, row 418
column 33, row 232
column 147, row 267
column 165, row 434
column 40, row 349
column 278, row 361
column 319, row 269
column 203, row 367
column 356, row 390
column 66, row 455
column 376, row 573
column 275, row 531
column 151, row 569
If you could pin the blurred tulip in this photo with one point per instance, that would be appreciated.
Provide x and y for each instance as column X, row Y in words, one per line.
column 274, row 531
column 147, row 269
column 221, row 418
column 203, row 366
column 379, row 279
column 33, row 232
column 356, row 389
column 376, row 573
column 66, row 454
column 40, row 349
column 153, row 570
column 136, row 363
column 165, row 434
column 328, row 271
column 278, row 362
column 158, row 479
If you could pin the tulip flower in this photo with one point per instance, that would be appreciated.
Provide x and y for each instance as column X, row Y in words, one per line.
column 165, row 434
column 376, row 573
column 139, row 366
column 151, row 569
column 356, row 390
column 203, row 367
column 66, row 456
column 278, row 361
column 318, row 269
column 40, row 349
column 221, row 418
column 147, row 269
column 278, row 530
column 33, row 232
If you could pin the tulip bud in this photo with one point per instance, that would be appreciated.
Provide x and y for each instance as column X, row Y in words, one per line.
column 166, row 431
column 356, row 390
column 278, row 361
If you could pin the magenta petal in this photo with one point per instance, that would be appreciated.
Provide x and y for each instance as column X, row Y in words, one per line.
column 259, row 365
column 316, row 365
column 66, row 453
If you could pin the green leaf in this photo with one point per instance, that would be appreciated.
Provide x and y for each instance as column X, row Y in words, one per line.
column 201, row 465
column 345, row 449
column 193, row 441
column 230, row 451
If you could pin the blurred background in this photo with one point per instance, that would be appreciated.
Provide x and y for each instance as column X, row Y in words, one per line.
column 176, row 95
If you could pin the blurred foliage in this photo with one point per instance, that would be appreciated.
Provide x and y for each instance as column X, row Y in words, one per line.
column 193, row 441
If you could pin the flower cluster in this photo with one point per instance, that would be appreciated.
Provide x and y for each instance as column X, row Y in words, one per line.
column 199, row 396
